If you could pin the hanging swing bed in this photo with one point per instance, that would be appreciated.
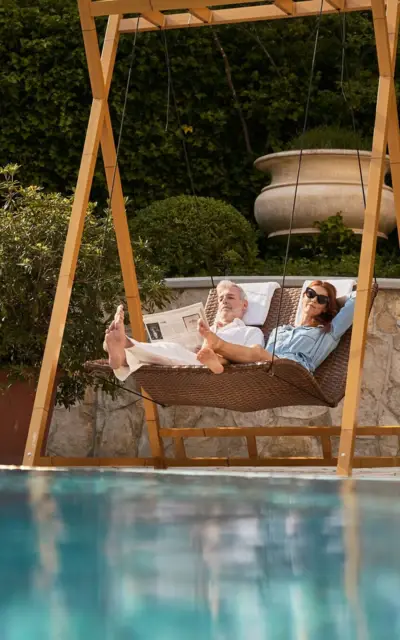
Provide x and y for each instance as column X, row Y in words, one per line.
column 241, row 387
column 252, row 387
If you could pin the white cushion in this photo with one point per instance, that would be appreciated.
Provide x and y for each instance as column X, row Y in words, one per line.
column 259, row 296
column 343, row 287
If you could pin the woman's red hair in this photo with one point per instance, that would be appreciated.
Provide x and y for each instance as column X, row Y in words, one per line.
column 332, row 308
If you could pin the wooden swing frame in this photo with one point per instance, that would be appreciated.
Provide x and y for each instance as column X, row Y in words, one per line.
column 150, row 17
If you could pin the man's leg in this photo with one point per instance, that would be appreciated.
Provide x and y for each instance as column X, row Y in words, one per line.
column 233, row 352
column 117, row 341
column 211, row 360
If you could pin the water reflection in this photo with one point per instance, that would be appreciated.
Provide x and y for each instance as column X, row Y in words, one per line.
column 129, row 556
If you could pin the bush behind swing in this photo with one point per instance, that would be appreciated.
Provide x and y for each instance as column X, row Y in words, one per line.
column 194, row 236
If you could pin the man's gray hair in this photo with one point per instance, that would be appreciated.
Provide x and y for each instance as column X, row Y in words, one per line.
column 227, row 284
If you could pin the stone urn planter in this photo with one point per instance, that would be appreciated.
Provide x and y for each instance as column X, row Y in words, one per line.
column 329, row 184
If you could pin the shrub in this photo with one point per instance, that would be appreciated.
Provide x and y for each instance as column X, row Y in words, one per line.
column 191, row 236
column 332, row 137
column 334, row 251
column 33, row 227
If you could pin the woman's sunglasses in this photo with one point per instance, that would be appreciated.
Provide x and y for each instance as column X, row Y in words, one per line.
column 310, row 293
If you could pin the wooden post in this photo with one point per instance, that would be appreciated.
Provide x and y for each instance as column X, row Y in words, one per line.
column 127, row 260
column 386, row 96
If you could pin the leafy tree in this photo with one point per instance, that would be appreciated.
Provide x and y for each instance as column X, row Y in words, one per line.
column 33, row 227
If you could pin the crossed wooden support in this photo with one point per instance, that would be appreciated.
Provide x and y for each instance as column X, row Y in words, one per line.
column 99, row 132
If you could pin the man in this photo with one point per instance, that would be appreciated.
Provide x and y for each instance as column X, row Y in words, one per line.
column 229, row 325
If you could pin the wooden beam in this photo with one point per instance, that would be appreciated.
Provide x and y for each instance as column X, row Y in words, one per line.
column 112, row 7
column 244, row 432
column 371, row 220
column 126, row 258
column 362, row 462
column 60, row 461
column 264, row 12
column 121, row 228
column 237, row 15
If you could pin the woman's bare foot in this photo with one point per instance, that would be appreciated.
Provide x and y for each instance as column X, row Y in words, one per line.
column 209, row 336
column 210, row 359
column 116, row 340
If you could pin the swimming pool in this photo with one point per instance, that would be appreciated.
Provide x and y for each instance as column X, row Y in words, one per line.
column 174, row 556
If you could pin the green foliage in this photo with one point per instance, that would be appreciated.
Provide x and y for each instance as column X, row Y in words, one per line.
column 33, row 227
column 192, row 236
column 333, row 240
column 330, row 137
column 45, row 99
column 334, row 251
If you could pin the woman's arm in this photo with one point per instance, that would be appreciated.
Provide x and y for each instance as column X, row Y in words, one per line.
column 344, row 318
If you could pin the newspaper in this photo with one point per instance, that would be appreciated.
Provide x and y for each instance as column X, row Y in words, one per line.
column 178, row 325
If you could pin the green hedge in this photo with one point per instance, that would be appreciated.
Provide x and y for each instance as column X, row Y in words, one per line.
column 45, row 99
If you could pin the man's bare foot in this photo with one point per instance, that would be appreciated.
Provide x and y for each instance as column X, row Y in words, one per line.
column 209, row 336
column 210, row 359
column 116, row 340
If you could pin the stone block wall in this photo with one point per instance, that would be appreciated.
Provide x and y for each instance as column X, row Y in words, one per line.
column 101, row 426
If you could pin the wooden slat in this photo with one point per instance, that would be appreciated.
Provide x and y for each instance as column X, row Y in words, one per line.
column 337, row 4
column 252, row 447
column 155, row 17
column 179, row 446
column 326, row 447
column 240, row 432
column 287, row 6
column 204, row 14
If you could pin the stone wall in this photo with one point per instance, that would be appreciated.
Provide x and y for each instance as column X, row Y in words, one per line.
column 104, row 427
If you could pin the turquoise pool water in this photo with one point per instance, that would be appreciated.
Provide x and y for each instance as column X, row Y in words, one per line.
column 140, row 556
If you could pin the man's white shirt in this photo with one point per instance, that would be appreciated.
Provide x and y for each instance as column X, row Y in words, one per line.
column 236, row 332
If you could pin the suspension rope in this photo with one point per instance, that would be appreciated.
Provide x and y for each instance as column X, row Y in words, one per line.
column 121, row 128
column 306, row 113
column 171, row 92
column 136, row 393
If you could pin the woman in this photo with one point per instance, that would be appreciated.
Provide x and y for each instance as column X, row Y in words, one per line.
column 321, row 326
